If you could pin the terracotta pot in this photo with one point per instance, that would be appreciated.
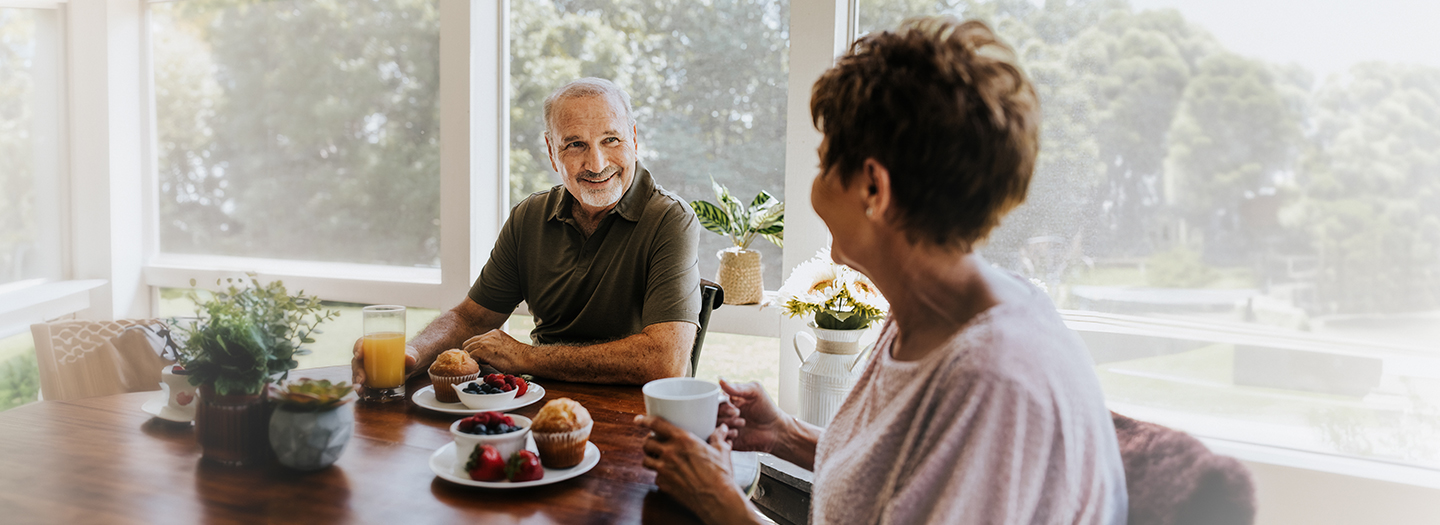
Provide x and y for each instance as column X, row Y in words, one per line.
column 232, row 429
column 740, row 275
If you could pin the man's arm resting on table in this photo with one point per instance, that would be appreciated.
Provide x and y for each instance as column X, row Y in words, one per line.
column 660, row 350
column 451, row 329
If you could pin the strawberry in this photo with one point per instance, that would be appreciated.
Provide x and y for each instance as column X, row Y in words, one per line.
column 507, row 420
column 522, row 385
column 486, row 464
column 524, row 466
column 467, row 424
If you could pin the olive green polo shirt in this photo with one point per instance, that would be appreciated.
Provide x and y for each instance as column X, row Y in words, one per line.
column 638, row 269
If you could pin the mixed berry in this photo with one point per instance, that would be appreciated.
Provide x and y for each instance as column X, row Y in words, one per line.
column 488, row 424
column 497, row 384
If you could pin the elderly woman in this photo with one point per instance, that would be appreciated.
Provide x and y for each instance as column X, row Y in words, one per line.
column 979, row 405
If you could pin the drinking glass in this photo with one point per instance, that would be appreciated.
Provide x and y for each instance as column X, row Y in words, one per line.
column 384, row 353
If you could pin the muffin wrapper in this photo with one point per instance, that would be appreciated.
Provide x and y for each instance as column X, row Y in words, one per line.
column 562, row 449
column 444, row 393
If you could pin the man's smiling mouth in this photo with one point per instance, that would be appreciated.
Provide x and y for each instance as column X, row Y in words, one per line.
column 606, row 174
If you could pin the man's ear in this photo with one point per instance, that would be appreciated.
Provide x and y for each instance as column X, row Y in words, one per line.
column 875, row 189
column 550, row 152
column 635, row 137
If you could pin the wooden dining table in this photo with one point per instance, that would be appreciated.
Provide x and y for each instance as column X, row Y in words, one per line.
column 103, row 460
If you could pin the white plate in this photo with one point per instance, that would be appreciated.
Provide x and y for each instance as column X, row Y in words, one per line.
column 160, row 407
column 442, row 463
column 425, row 397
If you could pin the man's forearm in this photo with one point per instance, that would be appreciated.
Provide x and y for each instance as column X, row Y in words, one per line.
column 633, row 360
column 449, row 330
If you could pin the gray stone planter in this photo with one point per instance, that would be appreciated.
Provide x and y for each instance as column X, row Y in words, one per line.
column 311, row 440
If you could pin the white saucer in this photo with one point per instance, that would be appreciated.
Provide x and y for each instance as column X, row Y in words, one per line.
column 425, row 397
column 160, row 407
column 442, row 463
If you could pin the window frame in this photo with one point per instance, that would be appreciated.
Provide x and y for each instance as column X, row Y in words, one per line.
column 471, row 159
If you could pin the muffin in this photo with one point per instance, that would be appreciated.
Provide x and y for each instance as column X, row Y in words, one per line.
column 452, row 367
column 561, row 430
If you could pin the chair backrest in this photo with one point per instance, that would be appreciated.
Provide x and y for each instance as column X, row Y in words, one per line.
column 1172, row 479
column 711, row 297
column 80, row 359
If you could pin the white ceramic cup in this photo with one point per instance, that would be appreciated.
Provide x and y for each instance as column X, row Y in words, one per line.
column 685, row 402
column 180, row 394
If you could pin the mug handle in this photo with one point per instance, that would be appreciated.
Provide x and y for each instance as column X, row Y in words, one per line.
column 796, row 343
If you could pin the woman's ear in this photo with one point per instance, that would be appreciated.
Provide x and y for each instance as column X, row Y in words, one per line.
column 875, row 189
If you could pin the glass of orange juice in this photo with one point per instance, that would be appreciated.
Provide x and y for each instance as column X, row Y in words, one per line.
column 384, row 348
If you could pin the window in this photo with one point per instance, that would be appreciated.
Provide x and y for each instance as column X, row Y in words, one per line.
column 1245, row 226
column 707, row 80
column 31, row 158
column 299, row 130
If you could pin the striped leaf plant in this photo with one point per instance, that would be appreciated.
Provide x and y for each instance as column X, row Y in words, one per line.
column 764, row 217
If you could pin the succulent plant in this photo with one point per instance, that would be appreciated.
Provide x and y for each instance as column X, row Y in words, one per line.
column 310, row 395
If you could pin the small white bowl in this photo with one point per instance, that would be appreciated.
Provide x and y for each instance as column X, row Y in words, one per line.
column 484, row 401
column 506, row 444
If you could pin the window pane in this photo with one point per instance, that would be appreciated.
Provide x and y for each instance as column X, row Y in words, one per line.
column 708, row 82
column 299, row 130
column 29, row 145
column 1250, row 217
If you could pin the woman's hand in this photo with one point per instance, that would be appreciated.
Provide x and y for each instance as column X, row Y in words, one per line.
column 757, row 423
column 696, row 474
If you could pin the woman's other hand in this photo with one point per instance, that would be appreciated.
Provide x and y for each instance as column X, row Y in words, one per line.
column 755, row 421
column 693, row 472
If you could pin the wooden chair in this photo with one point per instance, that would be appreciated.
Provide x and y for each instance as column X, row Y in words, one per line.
column 711, row 297
column 80, row 359
column 1172, row 479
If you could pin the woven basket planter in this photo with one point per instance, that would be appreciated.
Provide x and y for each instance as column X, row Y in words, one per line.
column 740, row 276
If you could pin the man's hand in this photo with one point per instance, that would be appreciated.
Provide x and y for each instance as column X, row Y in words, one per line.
column 499, row 350
column 357, row 363
column 695, row 473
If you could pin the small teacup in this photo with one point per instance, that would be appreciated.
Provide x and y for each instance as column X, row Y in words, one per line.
column 180, row 394
column 685, row 402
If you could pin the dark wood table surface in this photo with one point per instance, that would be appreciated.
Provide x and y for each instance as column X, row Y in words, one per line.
column 103, row 460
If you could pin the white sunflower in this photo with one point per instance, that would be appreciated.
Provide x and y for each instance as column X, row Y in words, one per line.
column 862, row 291
column 813, row 282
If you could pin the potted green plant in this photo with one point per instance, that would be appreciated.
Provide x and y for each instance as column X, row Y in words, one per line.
column 740, row 267
column 243, row 338
column 312, row 422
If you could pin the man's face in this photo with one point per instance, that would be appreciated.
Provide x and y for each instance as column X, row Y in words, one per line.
column 592, row 147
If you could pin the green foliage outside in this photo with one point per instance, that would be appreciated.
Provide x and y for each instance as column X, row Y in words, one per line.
column 1152, row 127
column 1178, row 268
column 19, row 381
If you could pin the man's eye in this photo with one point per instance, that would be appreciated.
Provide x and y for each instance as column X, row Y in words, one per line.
column 575, row 145
column 611, row 140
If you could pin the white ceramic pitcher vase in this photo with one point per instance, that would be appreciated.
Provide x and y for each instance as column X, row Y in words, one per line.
column 827, row 376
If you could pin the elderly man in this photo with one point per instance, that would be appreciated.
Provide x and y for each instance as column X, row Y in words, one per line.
column 606, row 261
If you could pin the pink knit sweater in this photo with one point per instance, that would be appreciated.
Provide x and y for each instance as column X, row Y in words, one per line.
column 1005, row 424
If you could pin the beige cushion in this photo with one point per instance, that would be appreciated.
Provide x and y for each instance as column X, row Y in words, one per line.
column 80, row 359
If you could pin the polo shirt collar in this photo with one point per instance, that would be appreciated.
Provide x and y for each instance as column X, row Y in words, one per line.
column 631, row 205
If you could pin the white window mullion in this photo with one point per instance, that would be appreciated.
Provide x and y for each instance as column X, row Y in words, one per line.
column 105, row 154
column 819, row 30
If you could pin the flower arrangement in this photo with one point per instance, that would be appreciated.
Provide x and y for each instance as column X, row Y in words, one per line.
column 840, row 297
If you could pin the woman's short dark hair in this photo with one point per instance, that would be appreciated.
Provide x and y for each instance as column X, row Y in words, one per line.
column 945, row 108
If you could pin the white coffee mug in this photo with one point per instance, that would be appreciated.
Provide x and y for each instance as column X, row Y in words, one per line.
column 685, row 402
column 180, row 393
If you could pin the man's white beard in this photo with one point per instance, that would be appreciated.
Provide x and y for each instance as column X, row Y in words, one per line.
column 606, row 197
